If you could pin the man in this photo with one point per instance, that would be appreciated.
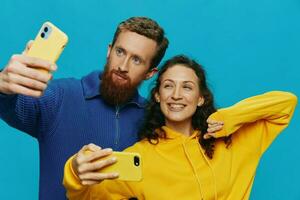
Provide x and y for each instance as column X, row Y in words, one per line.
column 101, row 108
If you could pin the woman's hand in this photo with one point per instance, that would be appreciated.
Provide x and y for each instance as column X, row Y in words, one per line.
column 86, row 164
column 213, row 127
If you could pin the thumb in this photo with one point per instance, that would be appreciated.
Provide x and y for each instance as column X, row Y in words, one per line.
column 209, row 135
column 28, row 46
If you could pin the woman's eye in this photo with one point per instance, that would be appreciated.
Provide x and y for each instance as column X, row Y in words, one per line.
column 187, row 87
column 167, row 86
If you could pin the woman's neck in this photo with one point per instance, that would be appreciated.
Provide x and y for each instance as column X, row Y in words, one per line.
column 182, row 127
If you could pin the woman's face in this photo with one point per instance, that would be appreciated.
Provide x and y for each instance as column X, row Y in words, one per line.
column 179, row 94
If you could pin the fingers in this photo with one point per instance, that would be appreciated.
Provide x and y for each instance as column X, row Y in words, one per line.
column 20, row 79
column 18, row 89
column 97, row 155
column 209, row 135
column 88, row 154
column 92, row 152
column 89, row 182
column 27, row 82
column 24, row 75
column 215, row 124
column 211, row 122
column 34, row 62
column 95, row 178
column 87, row 164
column 23, row 70
column 91, row 147
column 96, row 165
column 214, row 128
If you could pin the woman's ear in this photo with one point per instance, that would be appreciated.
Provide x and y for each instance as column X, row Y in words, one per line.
column 200, row 101
column 157, row 97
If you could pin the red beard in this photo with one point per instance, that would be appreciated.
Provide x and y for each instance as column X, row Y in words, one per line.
column 115, row 92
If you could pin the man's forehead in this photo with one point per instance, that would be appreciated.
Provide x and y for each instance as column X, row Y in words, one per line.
column 136, row 43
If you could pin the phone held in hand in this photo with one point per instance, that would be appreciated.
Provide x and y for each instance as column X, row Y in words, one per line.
column 48, row 44
column 128, row 165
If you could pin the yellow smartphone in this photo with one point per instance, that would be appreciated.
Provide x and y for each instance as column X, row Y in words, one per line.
column 128, row 165
column 48, row 44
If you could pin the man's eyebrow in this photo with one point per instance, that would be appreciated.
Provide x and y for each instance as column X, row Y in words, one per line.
column 120, row 47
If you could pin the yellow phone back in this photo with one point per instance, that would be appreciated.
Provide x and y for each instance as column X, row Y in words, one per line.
column 49, row 43
column 128, row 165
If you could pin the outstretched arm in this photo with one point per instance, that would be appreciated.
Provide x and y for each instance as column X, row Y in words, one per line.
column 274, row 108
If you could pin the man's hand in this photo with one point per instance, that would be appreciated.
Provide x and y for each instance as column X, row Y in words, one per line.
column 213, row 127
column 23, row 75
column 86, row 166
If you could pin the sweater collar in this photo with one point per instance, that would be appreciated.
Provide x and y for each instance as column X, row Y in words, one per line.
column 91, row 83
column 172, row 134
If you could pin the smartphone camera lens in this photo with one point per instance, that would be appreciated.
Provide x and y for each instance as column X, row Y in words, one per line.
column 46, row 29
column 42, row 35
column 136, row 160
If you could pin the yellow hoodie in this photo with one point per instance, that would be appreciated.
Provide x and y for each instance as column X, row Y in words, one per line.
column 177, row 167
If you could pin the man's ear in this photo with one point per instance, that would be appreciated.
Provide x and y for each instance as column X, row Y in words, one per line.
column 157, row 97
column 200, row 101
column 108, row 51
column 151, row 73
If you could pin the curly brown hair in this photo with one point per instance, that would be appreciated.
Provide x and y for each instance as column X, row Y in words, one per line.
column 148, row 28
column 154, row 118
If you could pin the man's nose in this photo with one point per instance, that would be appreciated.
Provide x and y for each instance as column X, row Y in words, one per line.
column 124, row 65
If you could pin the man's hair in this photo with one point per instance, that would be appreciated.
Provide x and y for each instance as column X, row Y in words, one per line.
column 148, row 28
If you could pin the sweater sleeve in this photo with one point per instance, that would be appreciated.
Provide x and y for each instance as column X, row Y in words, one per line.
column 272, row 109
column 33, row 116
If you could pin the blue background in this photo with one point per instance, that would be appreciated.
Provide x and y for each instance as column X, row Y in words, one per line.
column 247, row 47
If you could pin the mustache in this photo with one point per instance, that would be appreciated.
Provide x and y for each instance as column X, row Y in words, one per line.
column 120, row 73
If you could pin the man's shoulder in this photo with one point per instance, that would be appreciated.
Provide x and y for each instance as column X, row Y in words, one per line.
column 143, row 99
column 72, row 82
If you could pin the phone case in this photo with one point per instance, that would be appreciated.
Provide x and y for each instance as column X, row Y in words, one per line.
column 49, row 43
column 128, row 165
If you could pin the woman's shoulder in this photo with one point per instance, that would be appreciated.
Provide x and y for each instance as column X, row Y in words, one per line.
column 139, row 147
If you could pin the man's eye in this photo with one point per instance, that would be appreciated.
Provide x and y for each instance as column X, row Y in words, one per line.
column 136, row 60
column 119, row 52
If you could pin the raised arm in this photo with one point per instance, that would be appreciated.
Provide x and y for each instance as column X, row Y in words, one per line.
column 21, row 82
column 274, row 108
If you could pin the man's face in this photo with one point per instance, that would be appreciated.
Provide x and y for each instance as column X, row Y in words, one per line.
column 128, row 64
column 131, row 55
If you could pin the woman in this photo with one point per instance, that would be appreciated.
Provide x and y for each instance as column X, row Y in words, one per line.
column 183, row 156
